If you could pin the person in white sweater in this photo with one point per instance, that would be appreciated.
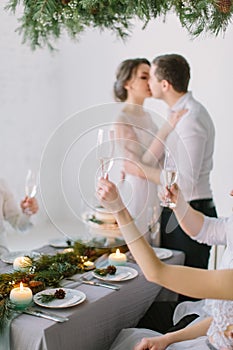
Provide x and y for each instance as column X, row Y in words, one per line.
column 18, row 217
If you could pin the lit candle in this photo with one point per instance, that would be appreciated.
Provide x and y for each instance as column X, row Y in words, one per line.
column 117, row 258
column 68, row 250
column 22, row 263
column 21, row 296
column 89, row 265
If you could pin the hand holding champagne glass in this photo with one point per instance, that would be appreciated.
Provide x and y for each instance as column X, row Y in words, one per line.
column 170, row 173
column 105, row 150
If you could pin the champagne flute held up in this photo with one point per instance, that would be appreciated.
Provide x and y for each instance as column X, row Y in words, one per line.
column 30, row 188
column 105, row 150
column 170, row 173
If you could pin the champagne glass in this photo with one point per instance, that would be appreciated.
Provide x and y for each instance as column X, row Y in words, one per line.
column 171, row 173
column 105, row 150
column 31, row 183
column 30, row 187
column 153, row 225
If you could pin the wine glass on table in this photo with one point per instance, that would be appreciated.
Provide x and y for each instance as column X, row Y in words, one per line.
column 105, row 150
column 30, row 186
column 153, row 225
column 170, row 173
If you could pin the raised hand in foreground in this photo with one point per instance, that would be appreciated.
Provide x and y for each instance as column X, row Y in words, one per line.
column 193, row 282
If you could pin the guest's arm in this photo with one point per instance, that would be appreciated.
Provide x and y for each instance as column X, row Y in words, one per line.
column 161, row 342
column 189, row 219
column 183, row 280
column 199, row 227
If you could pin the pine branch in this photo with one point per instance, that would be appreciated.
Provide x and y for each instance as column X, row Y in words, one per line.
column 11, row 6
column 44, row 20
column 6, row 313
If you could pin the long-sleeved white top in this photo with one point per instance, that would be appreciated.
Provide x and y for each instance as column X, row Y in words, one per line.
column 219, row 231
column 10, row 211
column 192, row 146
column 214, row 231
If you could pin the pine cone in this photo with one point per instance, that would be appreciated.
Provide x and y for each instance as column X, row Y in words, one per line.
column 65, row 2
column 111, row 269
column 60, row 294
column 94, row 11
column 224, row 6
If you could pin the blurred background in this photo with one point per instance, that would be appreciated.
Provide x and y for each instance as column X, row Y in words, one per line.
column 40, row 90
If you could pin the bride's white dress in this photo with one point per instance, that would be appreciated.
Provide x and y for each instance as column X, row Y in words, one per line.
column 139, row 195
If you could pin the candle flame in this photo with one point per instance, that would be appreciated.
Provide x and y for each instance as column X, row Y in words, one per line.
column 21, row 286
column 118, row 252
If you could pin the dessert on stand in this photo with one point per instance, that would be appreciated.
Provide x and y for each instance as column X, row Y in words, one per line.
column 102, row 224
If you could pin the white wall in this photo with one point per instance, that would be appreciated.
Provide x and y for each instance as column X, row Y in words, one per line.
column 39, row 90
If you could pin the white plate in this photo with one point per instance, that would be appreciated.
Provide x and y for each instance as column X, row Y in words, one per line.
column 123, row 273
column 73, row 297
column 11, row 256
column 60, row 243
column 163, row 253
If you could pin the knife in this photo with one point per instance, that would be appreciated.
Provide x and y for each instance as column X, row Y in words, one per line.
column 46, row 315
column 101, row 284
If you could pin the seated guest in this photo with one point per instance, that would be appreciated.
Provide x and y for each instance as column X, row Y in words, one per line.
column 212, row 332
column 9, row 211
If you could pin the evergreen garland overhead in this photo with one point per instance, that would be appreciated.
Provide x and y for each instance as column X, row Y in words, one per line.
column 44, row 20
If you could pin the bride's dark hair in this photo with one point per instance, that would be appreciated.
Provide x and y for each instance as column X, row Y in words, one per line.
column 125, row 72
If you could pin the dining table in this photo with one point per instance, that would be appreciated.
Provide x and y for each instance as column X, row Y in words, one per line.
column 94, row 323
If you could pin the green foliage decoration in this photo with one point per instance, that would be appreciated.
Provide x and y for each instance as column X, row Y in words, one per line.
column 43, row 21
column 7, row 312
column 49, row 269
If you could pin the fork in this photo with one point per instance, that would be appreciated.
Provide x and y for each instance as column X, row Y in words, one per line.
column 77, row 281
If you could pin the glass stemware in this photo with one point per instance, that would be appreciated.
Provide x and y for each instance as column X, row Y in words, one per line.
column 31, row 184
column 30, row 187
column 170, row 173
column 105, row 150
column 153, row 226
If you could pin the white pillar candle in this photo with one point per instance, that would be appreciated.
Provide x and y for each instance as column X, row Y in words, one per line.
column 89, row 265
column 117, row 258
column 22, row 263
column 21, row 296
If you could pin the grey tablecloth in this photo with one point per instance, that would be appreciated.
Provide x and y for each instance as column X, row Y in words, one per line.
column 94, row 324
